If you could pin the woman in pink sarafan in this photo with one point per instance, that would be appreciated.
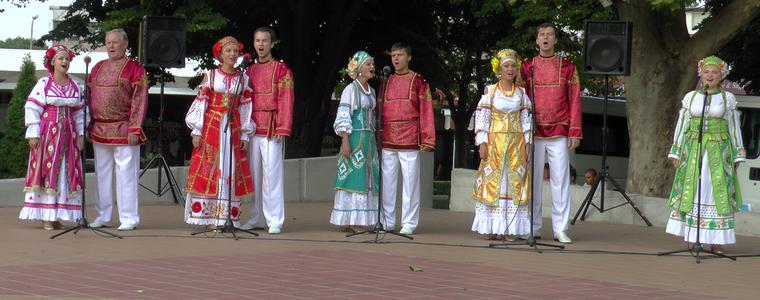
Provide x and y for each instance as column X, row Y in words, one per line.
column 53, row 115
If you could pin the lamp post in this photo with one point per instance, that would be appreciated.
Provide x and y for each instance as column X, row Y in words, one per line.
column 31, row 35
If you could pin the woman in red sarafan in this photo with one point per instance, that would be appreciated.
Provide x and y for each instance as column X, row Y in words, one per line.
column 222, row 89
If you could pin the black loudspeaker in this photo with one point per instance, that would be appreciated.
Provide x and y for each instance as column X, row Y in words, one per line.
column 607, row 47
column 163, row 42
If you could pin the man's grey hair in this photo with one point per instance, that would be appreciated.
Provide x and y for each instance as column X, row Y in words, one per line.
column 120, row 32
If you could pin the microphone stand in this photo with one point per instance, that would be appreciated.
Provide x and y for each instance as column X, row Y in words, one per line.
column 83, row 224
column 531, row 240
column 697, row 248
column 378, row 228
column 229, row 226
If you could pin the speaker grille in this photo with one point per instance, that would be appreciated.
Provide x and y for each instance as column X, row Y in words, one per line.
column 163, row 42
column 607, row 47
column 607, row 55
column 164, row 48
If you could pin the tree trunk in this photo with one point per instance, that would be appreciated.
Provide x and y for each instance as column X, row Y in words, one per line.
column 664, row 60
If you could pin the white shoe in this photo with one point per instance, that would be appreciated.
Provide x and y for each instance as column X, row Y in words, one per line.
column 406, row 230
column 127, row 227
column 562, row 237
column 96, row 224
column 274, row 230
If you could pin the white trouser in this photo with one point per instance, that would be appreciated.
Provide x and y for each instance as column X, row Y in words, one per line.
column 410, row 194
column 126, row 159
column 555, row 151
column 268, row 203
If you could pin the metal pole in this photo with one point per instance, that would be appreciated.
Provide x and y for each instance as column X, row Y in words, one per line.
column 31, row 34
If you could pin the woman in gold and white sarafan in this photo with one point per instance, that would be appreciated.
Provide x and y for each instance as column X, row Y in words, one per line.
column 503, row 133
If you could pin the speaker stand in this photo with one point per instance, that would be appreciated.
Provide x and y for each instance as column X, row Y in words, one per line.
column 160, row 162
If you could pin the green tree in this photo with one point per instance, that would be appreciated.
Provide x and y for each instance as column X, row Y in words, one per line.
column 21, row 43
column 13, row 146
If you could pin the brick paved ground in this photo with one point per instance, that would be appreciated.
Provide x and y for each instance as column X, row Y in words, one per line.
column 311, row 260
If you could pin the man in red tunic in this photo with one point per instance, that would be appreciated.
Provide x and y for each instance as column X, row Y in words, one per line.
column 554, row 80
column 272, row 84
column 407, row 109
column 119, row 98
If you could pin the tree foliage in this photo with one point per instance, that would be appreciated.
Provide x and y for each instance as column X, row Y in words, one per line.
column 13, row 145
column 21, row 43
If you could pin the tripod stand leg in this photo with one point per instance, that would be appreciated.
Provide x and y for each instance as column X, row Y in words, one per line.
column 75, row 229
column 80, row 227
column 617, row 186
column 159, row 162
column 586, row 202
column 172, row 183
column 106, row 232
column 148, row 166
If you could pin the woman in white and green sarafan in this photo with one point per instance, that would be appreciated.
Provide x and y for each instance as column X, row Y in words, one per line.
column 722, row 151
column 356, row 180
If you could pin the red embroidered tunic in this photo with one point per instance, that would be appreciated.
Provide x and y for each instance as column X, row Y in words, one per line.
column 118, row 101
column 407, row 112
column 272, row 84
column 558, row 96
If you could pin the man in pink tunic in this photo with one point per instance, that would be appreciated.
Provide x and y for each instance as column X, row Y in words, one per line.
column 272, row 84
column 557, row 98
column 119, row 99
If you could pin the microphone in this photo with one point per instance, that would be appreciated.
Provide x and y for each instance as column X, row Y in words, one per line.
column 387, row 71
column 87, row 60
column 705, row 87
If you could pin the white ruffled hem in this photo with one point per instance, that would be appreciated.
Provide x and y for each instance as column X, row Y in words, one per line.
column 505, row 219
column 706, row 236
column 50, row 214
column 196, row 221
column 213, row 211
column 354, row 209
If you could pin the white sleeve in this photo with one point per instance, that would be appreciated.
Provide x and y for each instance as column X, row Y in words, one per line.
column 33, row 108
column 247, row 126
column 482, row 119
column 194, row 117
column 682, row 126
column 733, row 118
column 526, row 118
column 343, row 115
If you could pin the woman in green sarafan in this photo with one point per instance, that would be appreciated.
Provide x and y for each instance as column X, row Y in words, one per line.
column 356, row 180
column 722, row 151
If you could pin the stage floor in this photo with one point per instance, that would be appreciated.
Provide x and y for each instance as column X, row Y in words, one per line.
column 312, row 260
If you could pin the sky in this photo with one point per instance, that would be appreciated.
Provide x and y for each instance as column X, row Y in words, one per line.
column 16, row 21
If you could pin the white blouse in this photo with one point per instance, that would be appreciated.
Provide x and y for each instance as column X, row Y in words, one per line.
column 349, row 103
column 517, row 102
column 719, row 107
column 222, row 84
